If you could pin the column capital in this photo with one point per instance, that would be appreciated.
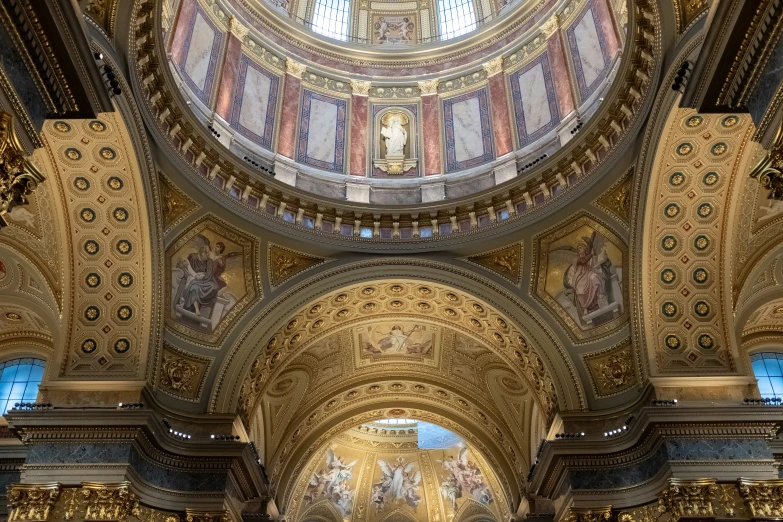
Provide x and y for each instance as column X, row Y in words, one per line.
column 429, row 86
column 494, row 66
column 237, row 29
column 294, row 68
column 550, row 26
column 360, row 88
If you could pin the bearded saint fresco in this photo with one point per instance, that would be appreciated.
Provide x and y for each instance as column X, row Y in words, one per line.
column 463, row 480
column 332, row 484
column 584, row 276
column 201, row 296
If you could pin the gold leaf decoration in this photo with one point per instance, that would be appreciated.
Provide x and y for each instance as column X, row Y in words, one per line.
column 285, row 263
column 505, row 262
column 617, row 200
column 611, row 371
column 176, row 206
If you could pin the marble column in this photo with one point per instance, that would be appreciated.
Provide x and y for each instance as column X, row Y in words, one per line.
column 230, row 69
column 606, row 26
column 359, row 123
column 501, row 124
column 286, row 141
column 180, row 29
column 430, row 126
column 558, row 66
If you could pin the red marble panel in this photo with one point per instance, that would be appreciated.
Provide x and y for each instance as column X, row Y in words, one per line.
column 228, row 77
column 606, row 26
column 501, row 123
column 286, row 139
column 187, row 10
column 359, row 143
column 560, row 75
column 431, row 134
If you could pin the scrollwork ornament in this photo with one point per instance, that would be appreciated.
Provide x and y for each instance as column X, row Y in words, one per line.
column 763, row 497
column 177, row 374
column 769, row 171
column 688, row 498
column 32, row 502
column 18, row 176
column 109, row 501
column 590, row 515
column 429, row 86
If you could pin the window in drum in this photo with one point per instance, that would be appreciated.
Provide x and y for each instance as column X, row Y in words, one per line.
column 19, row 380
column 457, row 17
column 768, row 369
column 330, row 18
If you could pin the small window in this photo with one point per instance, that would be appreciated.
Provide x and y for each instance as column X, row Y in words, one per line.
column 19, row 380
column 457, row 17
column 330, row 18
column 768, row 369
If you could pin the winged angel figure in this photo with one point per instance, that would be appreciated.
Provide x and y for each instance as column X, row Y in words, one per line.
column 201, row 292
column 587, row 280
column 465, row 477
column 398, row 482
column 332, row 483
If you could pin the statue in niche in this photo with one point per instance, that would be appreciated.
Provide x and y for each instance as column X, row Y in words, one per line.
column 394, row 134
column 396, row 159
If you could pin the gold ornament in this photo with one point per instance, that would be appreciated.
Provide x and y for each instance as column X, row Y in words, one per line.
column 18, row 176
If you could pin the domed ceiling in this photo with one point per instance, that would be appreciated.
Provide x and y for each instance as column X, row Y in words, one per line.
column 380, row 471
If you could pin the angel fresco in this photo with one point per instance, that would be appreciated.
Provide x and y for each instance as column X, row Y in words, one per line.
column 332, row 483
column 399, row 482
column 591, row 285
column 464, row 479
column 398, row 340
column 201, row 294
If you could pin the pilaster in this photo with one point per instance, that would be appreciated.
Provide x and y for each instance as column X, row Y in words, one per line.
column 286, row 140
column 359, row 124
column 430, row 126
column 230, row 69
column 498, row 100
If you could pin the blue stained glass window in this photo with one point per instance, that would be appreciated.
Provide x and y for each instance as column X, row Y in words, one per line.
column 457, row 17
column 768, row 369
column 330, row 18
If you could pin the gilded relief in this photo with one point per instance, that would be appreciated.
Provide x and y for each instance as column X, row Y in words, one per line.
column 396, row 339
column 210, row 272
column 176, row 205
column 617, row 200
column 611, row 371
column 505, row 262
column 182, row 374
column 580, row 277
column 285, row 263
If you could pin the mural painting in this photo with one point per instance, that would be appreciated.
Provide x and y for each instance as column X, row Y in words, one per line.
column 210, row 270
column 580, row 277
column 396, row 339
column 399, row 483
column 332, row 483
column 462, row 480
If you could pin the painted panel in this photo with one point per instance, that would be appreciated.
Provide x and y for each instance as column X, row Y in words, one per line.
column 200, row 55
column 589, row 52
column 255, row 99
column 535, row 102
column 322, row 131
column 468, row 130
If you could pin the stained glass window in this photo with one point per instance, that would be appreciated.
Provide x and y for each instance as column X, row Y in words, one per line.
column 768, row 369
column 457, row 17
column 19, row 381
column 330, row 18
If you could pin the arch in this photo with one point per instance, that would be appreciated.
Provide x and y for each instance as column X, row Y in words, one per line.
column 557, row 377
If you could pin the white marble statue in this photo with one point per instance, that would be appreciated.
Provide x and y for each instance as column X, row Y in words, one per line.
column 394, row 134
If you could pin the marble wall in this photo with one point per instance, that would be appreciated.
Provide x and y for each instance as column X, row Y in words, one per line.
column 322, row 127
column 199, row 56
column 590, row 53
column 255, row 102
column 467, row 130
column 535, row 103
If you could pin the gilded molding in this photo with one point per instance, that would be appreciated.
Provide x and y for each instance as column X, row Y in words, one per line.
column 18, row 176
column 689, row 498
column 590, row 515
column 111, row 501
column 763, row 497
column 237, row 29
column 32, row 502
column 194, row 515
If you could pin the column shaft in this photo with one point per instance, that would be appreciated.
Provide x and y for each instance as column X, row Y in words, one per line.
column 359, row 142
column 501, row 124
column 431, row 134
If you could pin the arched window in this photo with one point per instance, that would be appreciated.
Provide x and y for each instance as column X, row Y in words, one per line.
column 19, row 381
column 768, row 368
column 457, row 17
column 330, row 18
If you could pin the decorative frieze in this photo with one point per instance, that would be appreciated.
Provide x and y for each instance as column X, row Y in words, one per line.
column 689, row 498
column 109, row 501
column 32, row 502
column 590, row 515
column 763, row 497
column 192, row 515
column 18, row 176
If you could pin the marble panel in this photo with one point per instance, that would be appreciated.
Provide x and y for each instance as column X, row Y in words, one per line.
column 535, row 102
column 589, row 52
column 255, row 101
column 322, row 127
column 200, row 55
column 468, row 130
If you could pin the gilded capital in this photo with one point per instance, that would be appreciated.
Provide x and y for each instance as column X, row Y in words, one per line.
column 360, row 88
column 763, row 497
column 550, row 26
column 688, row 498
column 18, row 176
column 237, row 29
column 294, row 68
column 112, row 501
column 603, row 514
column 494, row 66
column 32, row 502
column 429, row 86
